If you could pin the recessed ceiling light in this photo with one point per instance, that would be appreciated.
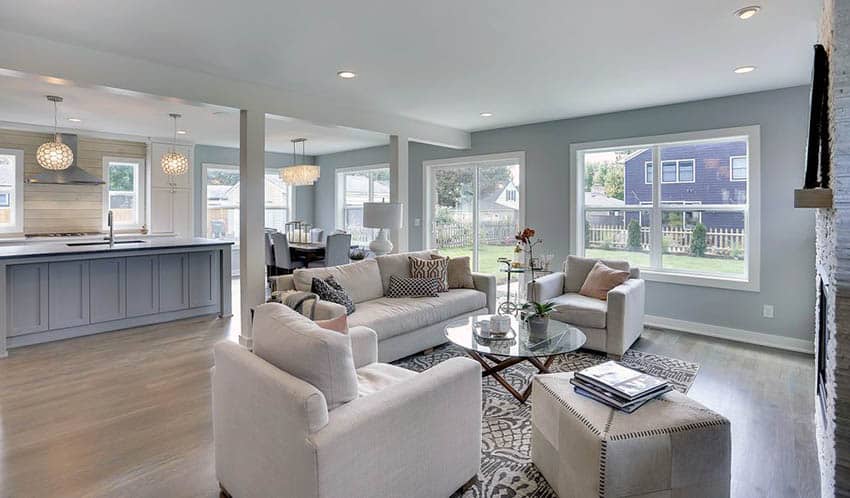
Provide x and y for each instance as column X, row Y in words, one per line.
column 182, row 132
column 346, row 75
column 75, row 120
column 744, row 69
column 486, row 114
column 747, row 12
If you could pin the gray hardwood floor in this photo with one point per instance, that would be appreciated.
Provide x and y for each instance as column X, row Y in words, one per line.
column 128, row 413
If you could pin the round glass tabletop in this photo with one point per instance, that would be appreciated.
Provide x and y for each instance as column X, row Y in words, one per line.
column 559, row 338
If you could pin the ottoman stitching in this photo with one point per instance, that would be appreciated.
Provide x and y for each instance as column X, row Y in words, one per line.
column 596, row 431
column 603, row 465
column 669, row 430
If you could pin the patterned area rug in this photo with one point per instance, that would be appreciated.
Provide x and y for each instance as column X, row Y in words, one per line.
column 506, row 468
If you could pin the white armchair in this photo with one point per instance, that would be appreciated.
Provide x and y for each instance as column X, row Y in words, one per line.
column 310, row 413
column 611, row 326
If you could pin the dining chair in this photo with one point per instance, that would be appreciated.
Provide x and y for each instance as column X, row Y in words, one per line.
column 337, row 251
column 271, row 269
column 282, row 256
column 316, row 235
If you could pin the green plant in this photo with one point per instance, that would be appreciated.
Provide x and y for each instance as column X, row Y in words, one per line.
column 737, row 252
column 538, row 309
column 634, row 242
column 665, row 244
column 698, row 240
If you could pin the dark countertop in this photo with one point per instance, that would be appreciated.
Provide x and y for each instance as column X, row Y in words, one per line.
column 63, row 249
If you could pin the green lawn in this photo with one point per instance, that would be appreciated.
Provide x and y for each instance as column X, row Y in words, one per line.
column 674, row 261
column 488, row 256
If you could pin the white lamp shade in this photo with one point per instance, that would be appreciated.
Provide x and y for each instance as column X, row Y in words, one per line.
column 383, row 215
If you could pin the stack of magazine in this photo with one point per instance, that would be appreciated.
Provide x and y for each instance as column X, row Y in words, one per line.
column 618, row 386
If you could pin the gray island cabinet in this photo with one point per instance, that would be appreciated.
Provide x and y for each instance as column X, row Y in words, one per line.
column 56, row 291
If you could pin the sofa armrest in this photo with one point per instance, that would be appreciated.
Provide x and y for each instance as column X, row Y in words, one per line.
column 546, row 287
column 626, row 304
column 364, row 345
column 421, row 434
column 282, row 283
column 261, row 419
column 487, row 284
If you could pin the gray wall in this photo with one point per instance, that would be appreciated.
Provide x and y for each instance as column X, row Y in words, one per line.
column 787, row 245
column 225, row 155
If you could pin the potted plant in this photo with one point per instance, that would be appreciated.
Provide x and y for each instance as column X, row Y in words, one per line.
column 537, row 317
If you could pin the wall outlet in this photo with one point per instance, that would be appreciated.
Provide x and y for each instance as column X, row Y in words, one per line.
column 767, row 311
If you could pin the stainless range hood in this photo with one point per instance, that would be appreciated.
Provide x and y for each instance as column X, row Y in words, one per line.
column 74, row 175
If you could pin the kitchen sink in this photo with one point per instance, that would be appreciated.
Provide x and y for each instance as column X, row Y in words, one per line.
column 104, row 243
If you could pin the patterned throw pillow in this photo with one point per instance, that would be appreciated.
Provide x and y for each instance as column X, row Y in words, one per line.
column 330, row 290
column 412, row 287
column 431, row 268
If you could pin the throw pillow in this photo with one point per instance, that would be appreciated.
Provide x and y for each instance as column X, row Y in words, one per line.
column 329, row 290
column 339, row 324
column 413, row 287
column 601, row 279
column 459, row 272
column 431, row 268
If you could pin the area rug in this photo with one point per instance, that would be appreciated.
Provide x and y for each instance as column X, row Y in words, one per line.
column 506, row 468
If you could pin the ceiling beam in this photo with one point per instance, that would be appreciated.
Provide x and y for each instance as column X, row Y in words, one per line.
column 88, row 67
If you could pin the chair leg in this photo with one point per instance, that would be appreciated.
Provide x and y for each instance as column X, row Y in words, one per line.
column 223, row 492
column 468, row 485
column 615, row 357
column 428, row 351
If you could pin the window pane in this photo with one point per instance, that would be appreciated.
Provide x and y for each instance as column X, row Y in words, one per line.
column 222, row 203
column 122, row 177
column 739, row 168
column 122, row 193
column 498, row 217
column 715, row 244
column 276, row 190
column 705, row 172
column 668, row 171
column 452, row 193
column 618, row 235
column 686, row 171
column 380, row 185
column 648, row 169
column 617, row 178
column 7, row 170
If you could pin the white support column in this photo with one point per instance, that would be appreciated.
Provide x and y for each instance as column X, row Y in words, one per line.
column 399, row 169
column 252, row 145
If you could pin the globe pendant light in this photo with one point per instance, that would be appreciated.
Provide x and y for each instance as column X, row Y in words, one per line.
column 174, row 163
column 54, row 155
column 299, row 174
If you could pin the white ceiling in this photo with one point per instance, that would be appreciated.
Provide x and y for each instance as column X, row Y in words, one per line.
column 103, row 110
column 445, row 61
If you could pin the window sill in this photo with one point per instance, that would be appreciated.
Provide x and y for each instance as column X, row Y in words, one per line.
column 717, row 282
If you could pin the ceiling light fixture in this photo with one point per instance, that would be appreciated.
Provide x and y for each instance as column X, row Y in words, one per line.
column 54, row 155
column 744, row 69
column 747, row 12
column 182, row 132
column 75, row 120
column 299, row 174
column 346, row 75
column 486, row 114
column 174, row 163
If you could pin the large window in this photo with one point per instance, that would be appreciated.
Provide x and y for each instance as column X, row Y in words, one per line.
column 694, row 220
column 354, row 186
column 124, row 193
column 11, row 190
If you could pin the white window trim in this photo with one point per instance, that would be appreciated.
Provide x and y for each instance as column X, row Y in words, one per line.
column 339, row 189
column 429, row 166
column 731, row 176
column 141, row 206
column 647, row 164
column 17, row 193
column 752, row 217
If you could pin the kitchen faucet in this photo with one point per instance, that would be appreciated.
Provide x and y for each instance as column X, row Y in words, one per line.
column 111, row 232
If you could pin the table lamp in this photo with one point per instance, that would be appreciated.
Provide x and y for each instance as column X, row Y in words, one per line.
column 384, row 216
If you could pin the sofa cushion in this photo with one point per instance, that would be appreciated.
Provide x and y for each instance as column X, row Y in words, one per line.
column 296, row 345
column 431, row 268
column 397, row 264
column 413, row 287
column 577, row 268
column 389, row 317
column 460, row 273
column 579, row 310
column 362, row 279
column 330, row 290
column 376, row 377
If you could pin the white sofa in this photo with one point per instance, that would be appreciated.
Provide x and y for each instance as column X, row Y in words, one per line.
column 311, row 414
column 611, row 326
column 405, row 326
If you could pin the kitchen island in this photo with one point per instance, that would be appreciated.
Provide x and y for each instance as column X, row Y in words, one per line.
column 58, row 290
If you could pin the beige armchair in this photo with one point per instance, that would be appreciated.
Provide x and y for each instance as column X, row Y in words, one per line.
column 611, row 326
column 310, row 413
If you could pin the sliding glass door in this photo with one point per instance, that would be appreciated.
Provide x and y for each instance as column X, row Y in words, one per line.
column 475, row 207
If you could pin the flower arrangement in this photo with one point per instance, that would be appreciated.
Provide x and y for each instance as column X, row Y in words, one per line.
column 526, row 242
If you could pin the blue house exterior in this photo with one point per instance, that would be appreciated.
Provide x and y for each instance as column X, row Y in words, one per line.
column 692, row 175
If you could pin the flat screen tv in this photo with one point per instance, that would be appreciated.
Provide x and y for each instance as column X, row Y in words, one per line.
column 817, row 151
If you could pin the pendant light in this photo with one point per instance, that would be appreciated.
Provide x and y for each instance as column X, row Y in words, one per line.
column 299, row 174
column 54, row 155
column 174, row 163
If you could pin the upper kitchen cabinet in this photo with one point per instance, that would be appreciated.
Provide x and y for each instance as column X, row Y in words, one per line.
column 158, row 179
column 170, row 204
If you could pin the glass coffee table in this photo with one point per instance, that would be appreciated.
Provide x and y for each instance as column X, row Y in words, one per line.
column 495, row 355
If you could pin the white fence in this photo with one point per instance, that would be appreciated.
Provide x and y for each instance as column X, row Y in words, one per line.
column 728, row 242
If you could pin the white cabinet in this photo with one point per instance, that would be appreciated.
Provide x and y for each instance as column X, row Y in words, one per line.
column 171, row 210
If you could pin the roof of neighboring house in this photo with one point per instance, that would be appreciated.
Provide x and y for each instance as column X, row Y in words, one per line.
column 596, row 199
column 634, row 155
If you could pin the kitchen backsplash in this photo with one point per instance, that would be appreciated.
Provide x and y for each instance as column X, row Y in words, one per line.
column 66, row 208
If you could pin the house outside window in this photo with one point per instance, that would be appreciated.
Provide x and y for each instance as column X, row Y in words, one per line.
column 11, row 190
column 124, row 192
column 693, row 221
column 354, row 186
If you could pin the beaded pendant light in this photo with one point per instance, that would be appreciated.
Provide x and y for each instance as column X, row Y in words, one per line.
column 174, row 163
column 54, row 155
column 299, row 174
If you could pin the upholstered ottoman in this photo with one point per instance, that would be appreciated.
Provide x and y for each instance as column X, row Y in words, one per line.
column 669, row 448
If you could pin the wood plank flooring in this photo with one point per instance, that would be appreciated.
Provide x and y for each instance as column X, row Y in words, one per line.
column 127, row 414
